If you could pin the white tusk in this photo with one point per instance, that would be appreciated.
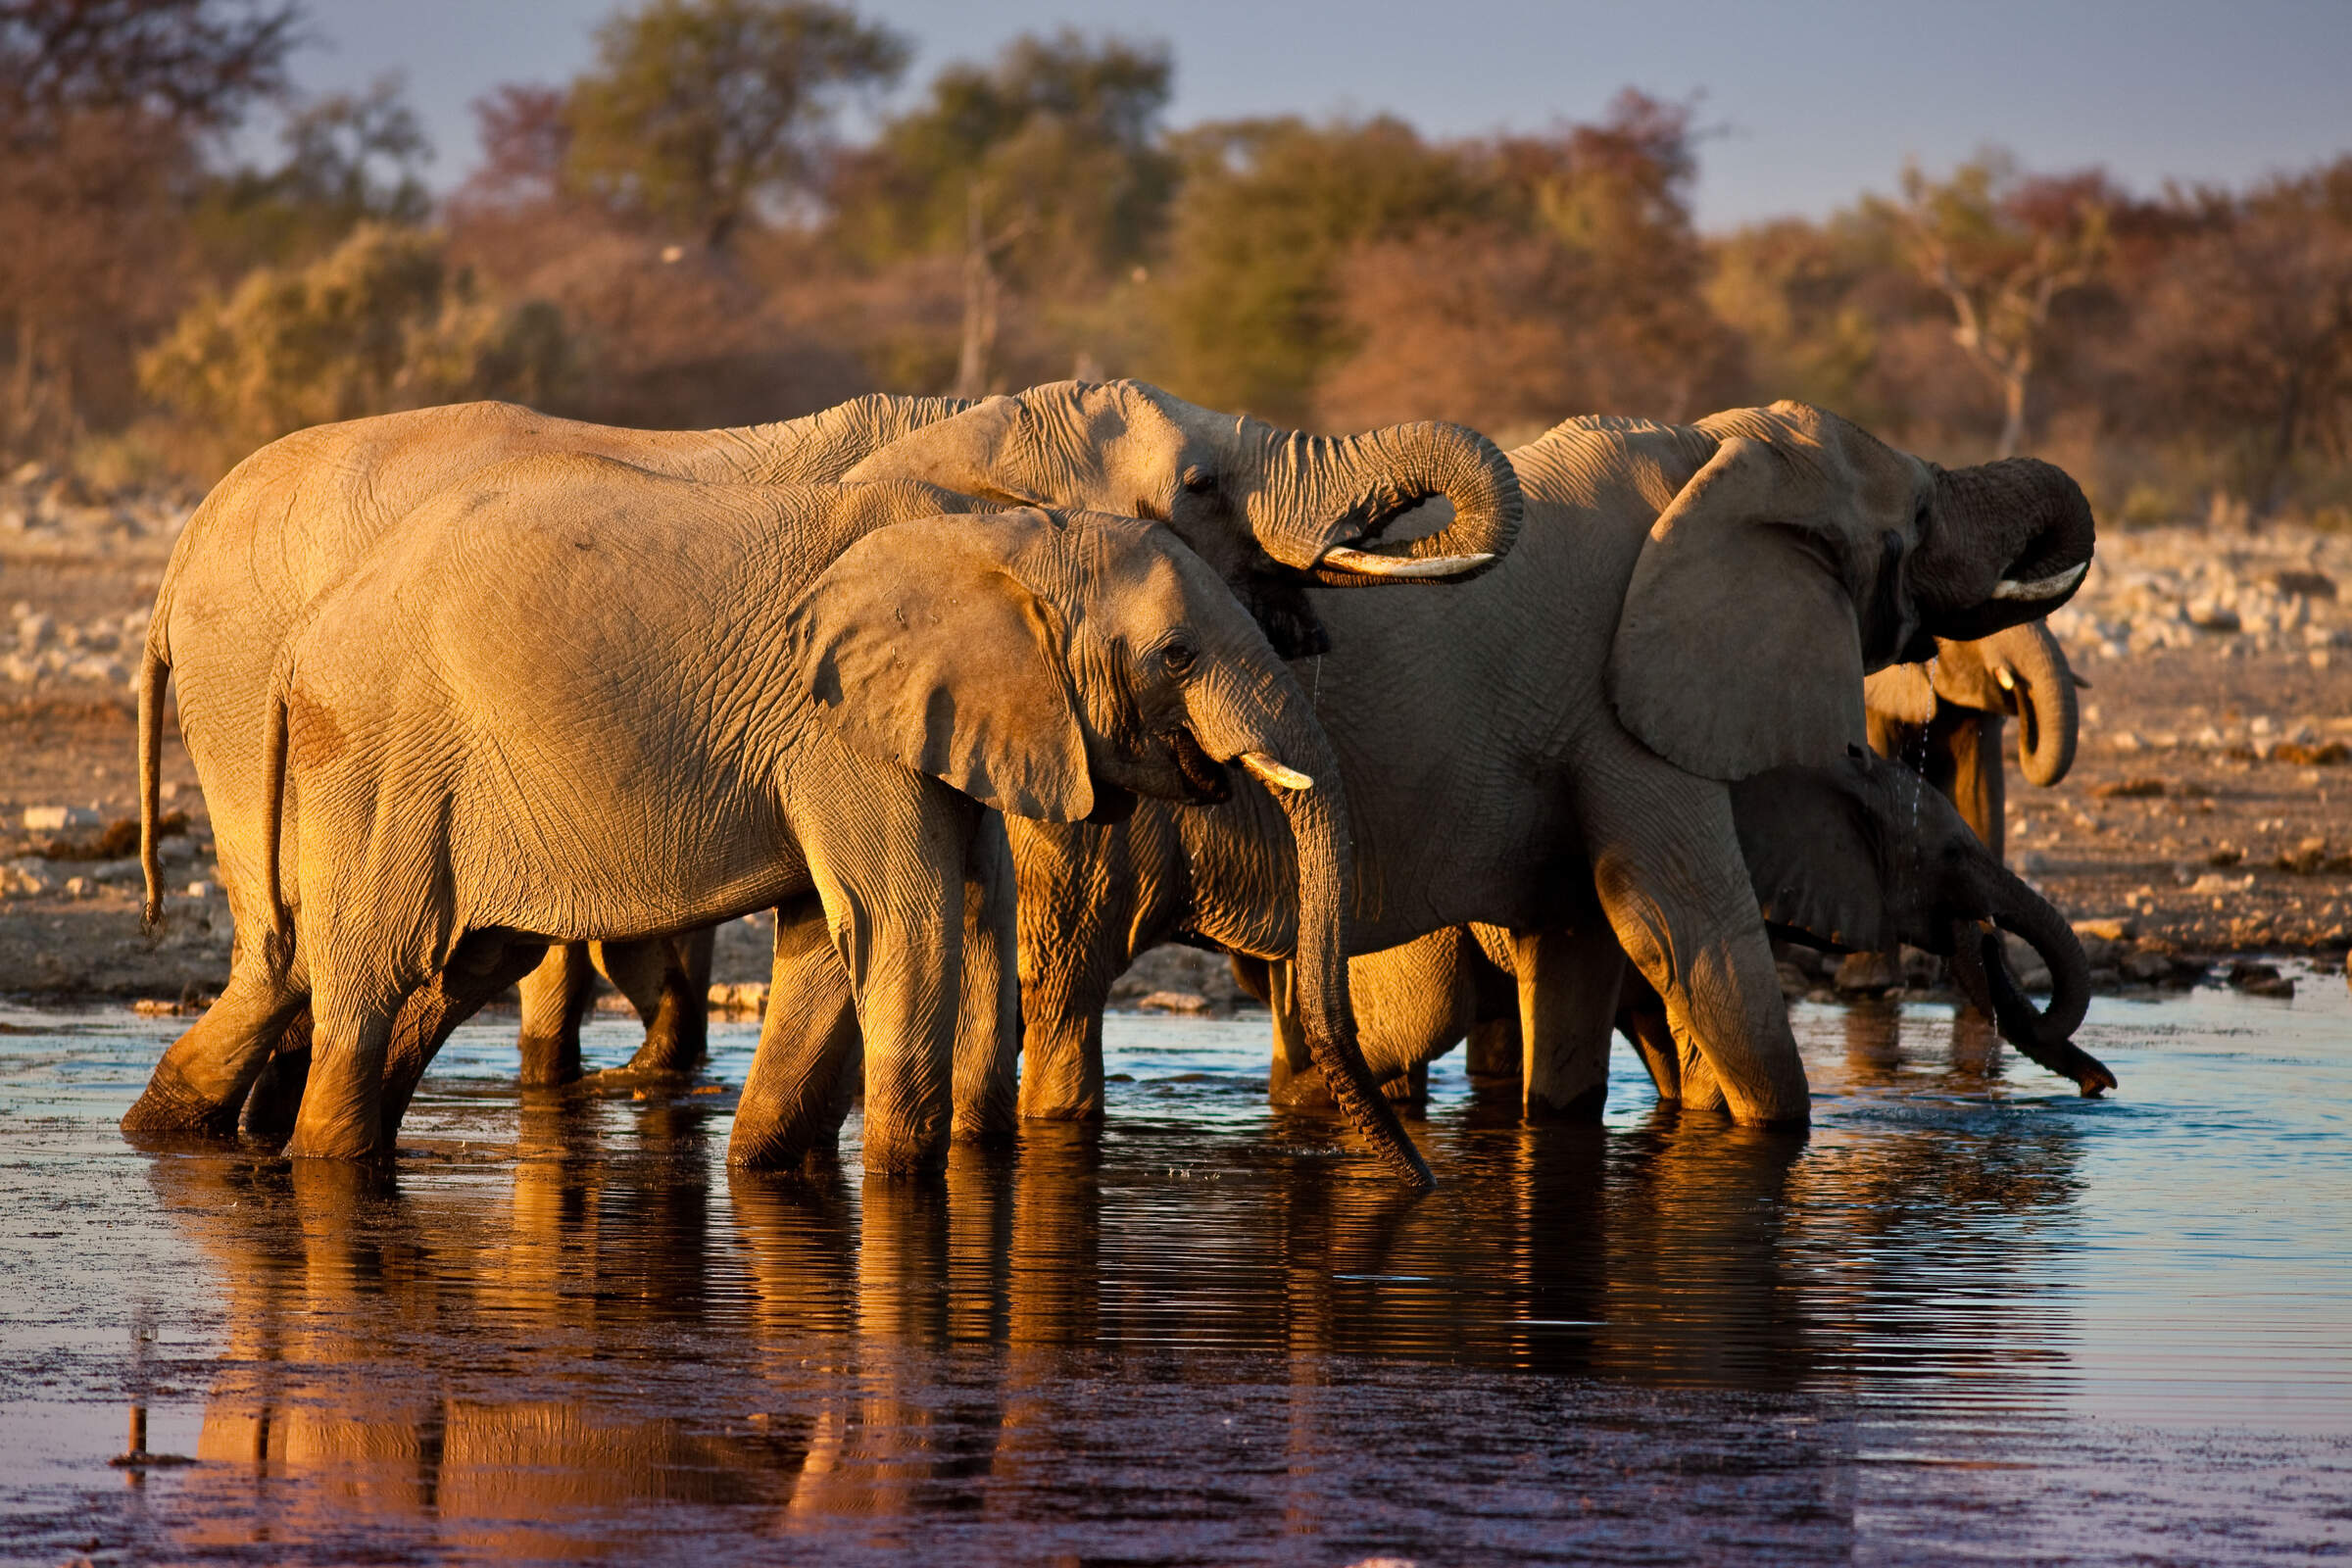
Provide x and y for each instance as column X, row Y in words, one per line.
column 1364, row 564
column 1274, row 773
column 2040, row 587
column 2007, row 681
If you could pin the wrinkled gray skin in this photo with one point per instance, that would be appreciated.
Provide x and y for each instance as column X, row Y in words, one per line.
column 1549, row 749
column 1856, row 857
column 1264, row 506
column 1944, row 719
column 570, row 701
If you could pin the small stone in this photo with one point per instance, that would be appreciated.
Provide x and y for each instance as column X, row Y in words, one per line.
column 1174, row 1001
column 2107, row 929
column 79, row 887
column 58, row 819
column 200, row 890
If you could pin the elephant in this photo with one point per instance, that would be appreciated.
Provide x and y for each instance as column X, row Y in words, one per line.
column 572, row 700
column 1854, row 856
column 1944, row 717
column 1551, row 747
column 1268, row 507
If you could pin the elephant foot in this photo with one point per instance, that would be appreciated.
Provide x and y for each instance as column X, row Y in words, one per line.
column 1582, row 1109
column 906, row 1157
column 275, row 1101
column 550, row 1062
column 169, row 1111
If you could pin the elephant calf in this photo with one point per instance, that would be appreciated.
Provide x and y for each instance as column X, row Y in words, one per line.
column 572, row 700
column 1857, row 856
column 1944, row 719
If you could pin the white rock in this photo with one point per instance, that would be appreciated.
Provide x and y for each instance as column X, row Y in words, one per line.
column 56, row 818
column 200, row 890
column 79, row 887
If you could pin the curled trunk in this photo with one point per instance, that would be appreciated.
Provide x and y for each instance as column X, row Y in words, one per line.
column 1982, row 968
column 2047, row 720
column 2011, row 539
column 1322, row 492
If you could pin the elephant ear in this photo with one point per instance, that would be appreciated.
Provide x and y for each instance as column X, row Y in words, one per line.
column 1902, row 693
column 982, row 451
column 925, row 648
column 1811, row 857
column 1739, row 647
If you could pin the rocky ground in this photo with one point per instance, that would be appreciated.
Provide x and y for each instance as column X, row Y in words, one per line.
column 2205, row 823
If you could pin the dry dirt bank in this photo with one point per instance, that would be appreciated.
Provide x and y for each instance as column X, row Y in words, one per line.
column 2207, row 817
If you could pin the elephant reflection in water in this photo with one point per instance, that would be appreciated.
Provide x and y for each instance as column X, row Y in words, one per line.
column 370, row 1334
column 858, row 1312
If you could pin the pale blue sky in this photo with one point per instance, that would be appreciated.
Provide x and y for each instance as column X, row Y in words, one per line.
column 1820, row 99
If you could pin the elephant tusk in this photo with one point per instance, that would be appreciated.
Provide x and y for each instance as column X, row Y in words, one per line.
column 1273, row 774
column 1364, row 564
column 2040, row 588
column 2008, row 681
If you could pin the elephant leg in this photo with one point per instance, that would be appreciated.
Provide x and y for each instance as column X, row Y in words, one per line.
column 555, row 1001
column 988, row 1024
column 268, row 1118
column 204, row 1078
column 1492, row 1058
column 484, row 966
column 804, row 1075
column 1568, row 980
column 1642, row 1019
column 1292, row 1078
column 668, row 982
column 1980, row 777
column 895, row 907
column 342, row 1105
column 1667, row 868
column 1076, row 920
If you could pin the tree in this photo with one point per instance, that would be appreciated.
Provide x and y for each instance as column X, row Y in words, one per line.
column 2002, row 250
column 186, row 63
column 2246, row 331
column 1044, row 171
column 1250, row 302
column 700, row 110
column 103, row 104
column 381, row 323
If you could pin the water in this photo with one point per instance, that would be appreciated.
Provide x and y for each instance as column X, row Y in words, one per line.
column 1971, row 1317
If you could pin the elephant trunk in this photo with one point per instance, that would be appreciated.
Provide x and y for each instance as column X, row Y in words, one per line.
column 2013, row 540
column 2047, row 721
column 1325, row 498
column 1290, row 755
column 1982, row 968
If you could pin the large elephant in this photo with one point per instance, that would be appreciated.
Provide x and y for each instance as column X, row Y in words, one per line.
column 1854, row 856
column 1270, row 510
column 1549, row 747
column 1268, row 507
column 1944, row 717
column 571, row 701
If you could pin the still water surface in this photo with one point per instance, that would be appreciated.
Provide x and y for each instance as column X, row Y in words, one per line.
column 1969, row 1317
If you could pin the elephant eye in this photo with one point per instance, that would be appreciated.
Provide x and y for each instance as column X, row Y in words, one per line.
column 1178, row 655
column 1198, row 481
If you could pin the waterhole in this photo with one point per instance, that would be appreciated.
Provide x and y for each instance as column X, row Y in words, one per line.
column 1970, row 1316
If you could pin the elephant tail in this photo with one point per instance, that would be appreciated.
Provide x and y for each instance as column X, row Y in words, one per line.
column 154, row 671
column 273, row 812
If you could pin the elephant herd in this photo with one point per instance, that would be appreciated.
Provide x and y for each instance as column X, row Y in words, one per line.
column 985, row 699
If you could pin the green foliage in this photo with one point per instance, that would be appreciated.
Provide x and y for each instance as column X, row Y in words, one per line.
column 700, row 110
column 350, row 157
column 1250, row 314
column 380, row 323
column 1050, row 157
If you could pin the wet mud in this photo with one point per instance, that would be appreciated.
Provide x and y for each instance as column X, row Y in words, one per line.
column 1970, row 1316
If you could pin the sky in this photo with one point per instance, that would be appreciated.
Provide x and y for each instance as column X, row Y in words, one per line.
column 1815, row 100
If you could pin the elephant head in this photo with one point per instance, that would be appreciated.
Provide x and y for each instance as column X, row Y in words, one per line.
column 2018, row 672
column 1269, row 509
column 1054, row 666
column 1862, row 855
column 1805, row 554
